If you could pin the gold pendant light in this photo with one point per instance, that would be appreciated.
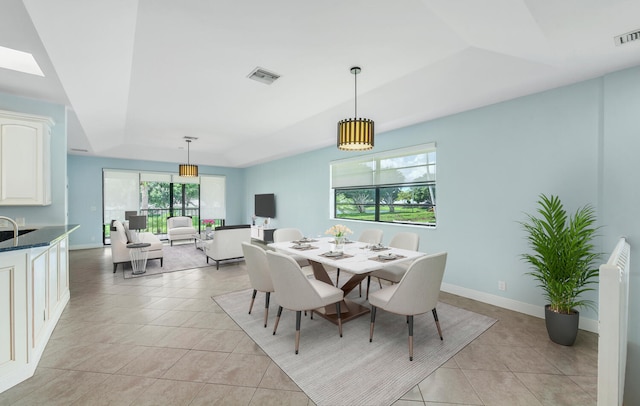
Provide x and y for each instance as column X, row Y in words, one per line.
column 355, row 134
column 188, row 170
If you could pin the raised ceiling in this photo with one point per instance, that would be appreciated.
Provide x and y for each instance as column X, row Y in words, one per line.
column 140, row 75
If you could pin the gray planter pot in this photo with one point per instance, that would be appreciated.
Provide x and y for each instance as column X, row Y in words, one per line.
column 562, row 328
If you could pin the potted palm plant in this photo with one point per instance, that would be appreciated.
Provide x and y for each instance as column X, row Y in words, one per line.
column 562, row 262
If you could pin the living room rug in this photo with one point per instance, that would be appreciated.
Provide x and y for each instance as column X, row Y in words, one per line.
column 176, row 258
column 351, row 370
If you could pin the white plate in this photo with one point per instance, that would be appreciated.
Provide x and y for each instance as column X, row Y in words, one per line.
column 333, row 254
column 387, row 256
column 299, row 246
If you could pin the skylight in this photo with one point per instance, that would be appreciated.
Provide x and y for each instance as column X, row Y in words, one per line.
column 19, row 61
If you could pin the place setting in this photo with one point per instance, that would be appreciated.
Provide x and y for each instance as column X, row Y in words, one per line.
column 303, row 246
column 336, row 255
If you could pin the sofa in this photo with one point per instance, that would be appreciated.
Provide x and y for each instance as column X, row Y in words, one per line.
column 227, row 243
column 121, row 236
column 180, row 228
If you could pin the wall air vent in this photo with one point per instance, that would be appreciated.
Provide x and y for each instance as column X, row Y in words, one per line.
column 263, row 75
column 79, row 150
column 186, row 137
column 628, row 37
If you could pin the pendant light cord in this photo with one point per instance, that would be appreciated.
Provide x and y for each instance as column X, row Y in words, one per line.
column 355, row 80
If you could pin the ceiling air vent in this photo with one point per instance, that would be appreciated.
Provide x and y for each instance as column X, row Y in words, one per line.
column 263, row 75
column 628, row 37
column 79, row 150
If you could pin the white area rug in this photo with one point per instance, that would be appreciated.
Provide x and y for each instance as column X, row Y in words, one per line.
column 351, row 370
column 176, row 258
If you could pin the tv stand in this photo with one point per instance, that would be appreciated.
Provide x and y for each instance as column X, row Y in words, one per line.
column 262, row 233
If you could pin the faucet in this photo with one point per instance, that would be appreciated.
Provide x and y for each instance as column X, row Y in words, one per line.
column 15, row 229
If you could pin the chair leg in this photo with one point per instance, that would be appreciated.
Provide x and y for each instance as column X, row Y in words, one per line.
column 360, row 288
column 380, row 283
column 298, row 317
column 253, row 298
column 115, row 266
column 339, row 318
column 368, row 283
column 373, row 320
column 275, row 326
column 337, row 277
column 435, row 317
column 410, row 338
column 266, row 308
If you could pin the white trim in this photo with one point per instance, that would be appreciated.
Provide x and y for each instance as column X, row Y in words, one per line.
column 510, row 304
column 85, row 246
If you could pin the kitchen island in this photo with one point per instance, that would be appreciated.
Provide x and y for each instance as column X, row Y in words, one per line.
column 34, row 289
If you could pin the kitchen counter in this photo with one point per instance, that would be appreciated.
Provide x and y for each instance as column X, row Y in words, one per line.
column 42, row 237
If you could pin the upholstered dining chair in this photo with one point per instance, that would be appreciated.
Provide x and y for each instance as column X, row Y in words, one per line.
column 290, row 234
column 416, row 293
column 393, row 273
column 294, row 291
column 369, row 236
column 258, row 269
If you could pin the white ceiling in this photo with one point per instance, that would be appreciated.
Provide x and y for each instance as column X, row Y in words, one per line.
column 140, row 75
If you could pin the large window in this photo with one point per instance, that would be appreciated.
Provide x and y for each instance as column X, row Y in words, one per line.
column 396, row 186
column 158, row 195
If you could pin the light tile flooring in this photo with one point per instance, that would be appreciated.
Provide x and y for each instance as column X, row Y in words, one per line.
column 162, row 341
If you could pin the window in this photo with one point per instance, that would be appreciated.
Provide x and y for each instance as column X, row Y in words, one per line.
column 396, row 186
column 161, row 195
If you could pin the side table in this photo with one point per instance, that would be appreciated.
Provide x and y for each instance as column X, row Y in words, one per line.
column 138, row 255
column 201, row 238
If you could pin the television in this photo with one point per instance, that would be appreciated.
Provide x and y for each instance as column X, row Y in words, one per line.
column 265, row 205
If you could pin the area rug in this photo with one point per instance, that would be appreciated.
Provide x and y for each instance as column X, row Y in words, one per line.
column 351, row 370
column 176, row 258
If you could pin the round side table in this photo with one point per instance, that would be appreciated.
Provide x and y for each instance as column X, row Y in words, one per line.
column 138, row 255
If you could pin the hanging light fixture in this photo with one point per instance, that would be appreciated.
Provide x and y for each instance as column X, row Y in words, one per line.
column 355, row 134
column 187, row 169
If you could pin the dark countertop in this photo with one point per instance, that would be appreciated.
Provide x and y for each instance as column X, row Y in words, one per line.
column 42, row 237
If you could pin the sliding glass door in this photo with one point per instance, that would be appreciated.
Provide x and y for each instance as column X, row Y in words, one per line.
column 159, row 196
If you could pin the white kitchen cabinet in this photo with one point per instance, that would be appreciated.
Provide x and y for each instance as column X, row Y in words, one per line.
column 34, row 290
column 25, row 161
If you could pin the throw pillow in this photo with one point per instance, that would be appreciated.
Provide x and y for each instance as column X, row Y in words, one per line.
column 127, row 232
column 182, row 222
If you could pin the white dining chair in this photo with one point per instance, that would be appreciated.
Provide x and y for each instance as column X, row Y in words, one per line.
column 294, row 291
column 290, row 234
column 258, row 269
column 393, row 273
column 416, row 293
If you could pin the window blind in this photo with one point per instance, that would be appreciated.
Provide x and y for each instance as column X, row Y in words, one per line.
column 402, row 166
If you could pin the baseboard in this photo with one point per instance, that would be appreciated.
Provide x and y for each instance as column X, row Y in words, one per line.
column 510, row 304
column 85, row 246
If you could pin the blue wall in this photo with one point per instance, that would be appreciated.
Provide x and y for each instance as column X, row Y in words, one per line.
column 493, row 163
column 85, row 193
column 580, row 142
column 56, row 213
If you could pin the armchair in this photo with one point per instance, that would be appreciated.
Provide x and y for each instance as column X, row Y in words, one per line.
column 180, row 228
column 227, row 243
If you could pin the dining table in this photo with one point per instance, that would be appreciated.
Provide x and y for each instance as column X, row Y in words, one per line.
column 358, row 259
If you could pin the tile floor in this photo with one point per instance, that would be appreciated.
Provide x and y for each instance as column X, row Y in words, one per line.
column 161, row 340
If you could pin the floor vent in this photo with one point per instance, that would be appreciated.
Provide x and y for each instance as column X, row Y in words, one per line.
column 628, row 37
column 263, row 75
